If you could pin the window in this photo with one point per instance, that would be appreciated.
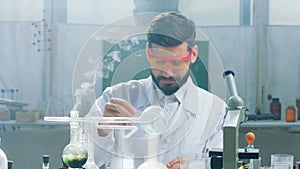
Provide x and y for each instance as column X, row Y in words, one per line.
column 23, row 11
column 98, row 11
column 212, row 12
column 284, row 12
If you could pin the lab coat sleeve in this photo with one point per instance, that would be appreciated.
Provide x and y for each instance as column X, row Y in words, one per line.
column 103, row 145
column 215, row 140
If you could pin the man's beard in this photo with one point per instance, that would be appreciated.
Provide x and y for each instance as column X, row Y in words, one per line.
column 169, row 89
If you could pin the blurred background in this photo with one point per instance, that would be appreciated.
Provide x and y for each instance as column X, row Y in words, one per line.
column 43, row 40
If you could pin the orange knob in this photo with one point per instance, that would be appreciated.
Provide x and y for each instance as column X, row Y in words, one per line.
column 250, row 137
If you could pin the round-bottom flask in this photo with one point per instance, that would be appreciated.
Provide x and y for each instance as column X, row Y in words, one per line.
column 74, row 154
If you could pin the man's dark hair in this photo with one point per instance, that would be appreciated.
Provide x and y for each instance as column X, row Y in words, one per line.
column 171, row 29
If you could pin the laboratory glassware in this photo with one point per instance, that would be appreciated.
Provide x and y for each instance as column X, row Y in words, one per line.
column 192, row 155
column 290, row 114
column 152, row 160
column 282, row 161
column 10, row 164
column 3, row 159
column 45, row 164
column 298, row 107
column 74, row 154
column 150, row 120
column 90, row 163
column 275, row 108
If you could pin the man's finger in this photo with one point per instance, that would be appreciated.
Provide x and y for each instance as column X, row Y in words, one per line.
column 116, row 110
column 174, row 163
column 124, row 104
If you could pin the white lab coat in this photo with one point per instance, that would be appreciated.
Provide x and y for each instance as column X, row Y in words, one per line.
column 199, row 118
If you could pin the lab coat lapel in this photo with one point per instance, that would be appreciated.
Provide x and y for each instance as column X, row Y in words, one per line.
column 188, row 111
column 191, row 100
column 149, row 96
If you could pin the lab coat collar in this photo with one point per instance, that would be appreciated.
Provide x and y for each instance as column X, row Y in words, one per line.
column 191, row 97
column 186, row 95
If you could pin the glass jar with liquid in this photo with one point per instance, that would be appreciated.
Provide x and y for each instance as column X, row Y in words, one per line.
column 290, row 114
column 275, row 108
column 75, row 153
column 298, row 107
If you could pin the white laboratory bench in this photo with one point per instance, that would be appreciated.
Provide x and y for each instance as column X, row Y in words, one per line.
column 13, row 124
column 25, row 143
column 273, row 136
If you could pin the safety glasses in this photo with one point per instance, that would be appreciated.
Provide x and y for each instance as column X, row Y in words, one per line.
column 167, row 60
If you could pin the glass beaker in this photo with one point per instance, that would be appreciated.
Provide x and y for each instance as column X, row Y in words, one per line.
column 282, row 161
column 192, row 155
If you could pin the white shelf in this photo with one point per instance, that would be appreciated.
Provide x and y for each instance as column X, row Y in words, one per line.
column 14, row 125
column 12, row 103
column 272, row 124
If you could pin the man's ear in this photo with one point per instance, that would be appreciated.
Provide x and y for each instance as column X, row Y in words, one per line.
column 194, row 54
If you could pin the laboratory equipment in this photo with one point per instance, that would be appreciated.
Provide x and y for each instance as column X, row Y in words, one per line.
column 14, row 94
column 152, row 120
column 3, row 159
column 235, row 115
column 152, row 160
column 297, row 164
column 12, row 106
column 149, row 119
column 250, row 137
column 90, row 163
column 154, row 125
column 282, row 161
column 192, row 155
column 74, row 154
column 275, row 108
column 45, row 164
column 253, row 163
column 290, row 114
column 10, row 164
column 298, row 107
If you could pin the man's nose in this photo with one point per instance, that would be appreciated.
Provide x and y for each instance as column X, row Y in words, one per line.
column 167, row 71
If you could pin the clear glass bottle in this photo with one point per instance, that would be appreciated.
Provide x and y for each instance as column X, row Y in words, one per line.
column 3, row 159
column 10, row 164
column 46, row 159
column 74, row 154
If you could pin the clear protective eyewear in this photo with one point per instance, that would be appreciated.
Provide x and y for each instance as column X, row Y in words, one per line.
column 173, row 62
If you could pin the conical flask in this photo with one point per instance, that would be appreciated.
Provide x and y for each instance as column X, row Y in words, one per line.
column 152, row 160
column 74, row 154
column 90, row 164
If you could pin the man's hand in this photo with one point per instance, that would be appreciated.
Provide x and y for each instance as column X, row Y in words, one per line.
column 174, row 164
column 117, row 108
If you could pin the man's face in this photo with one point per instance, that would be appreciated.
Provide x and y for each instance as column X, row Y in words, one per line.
column 170, row 66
